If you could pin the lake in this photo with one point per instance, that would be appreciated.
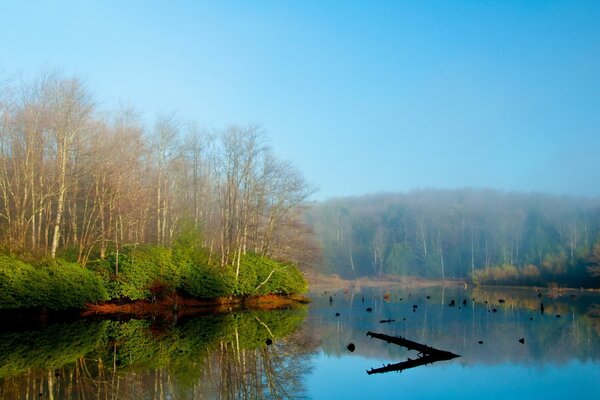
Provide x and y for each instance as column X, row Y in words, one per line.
column 508, row 349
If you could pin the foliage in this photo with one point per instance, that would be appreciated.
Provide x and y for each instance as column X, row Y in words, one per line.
column 54, row 284
column 201, row 276
column 141, row 273
column 261, row 275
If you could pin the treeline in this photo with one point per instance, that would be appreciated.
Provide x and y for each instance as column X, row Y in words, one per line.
column 79, row 184
column 489, row 236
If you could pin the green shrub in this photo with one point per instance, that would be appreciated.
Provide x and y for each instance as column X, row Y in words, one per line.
column 262, row 275
column 15, row 283
column 140, row 269
column 70, row 285
column 207, row 281
column 201, row 277
column 55, row 284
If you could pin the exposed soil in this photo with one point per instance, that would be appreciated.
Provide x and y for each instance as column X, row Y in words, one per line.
column 177, row 306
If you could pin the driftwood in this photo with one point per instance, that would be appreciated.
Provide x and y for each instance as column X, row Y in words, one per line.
column 426, row 354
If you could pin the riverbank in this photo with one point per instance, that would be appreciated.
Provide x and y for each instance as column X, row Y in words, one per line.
column 318, row 281
column 182, row 306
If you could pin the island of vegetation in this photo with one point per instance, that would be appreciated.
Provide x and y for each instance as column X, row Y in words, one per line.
column 97, row 207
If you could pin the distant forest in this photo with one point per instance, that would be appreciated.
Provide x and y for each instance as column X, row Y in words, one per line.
column 489, row 236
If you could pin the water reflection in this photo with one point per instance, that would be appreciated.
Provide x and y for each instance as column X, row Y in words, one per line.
column 224, row 356
column 559, row 356
column 309, row 355
column 568, row 329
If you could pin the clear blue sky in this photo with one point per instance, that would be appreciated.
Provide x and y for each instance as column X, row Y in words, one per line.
column 362, row 96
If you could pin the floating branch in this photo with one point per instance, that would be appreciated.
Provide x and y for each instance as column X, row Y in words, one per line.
column 427, row 354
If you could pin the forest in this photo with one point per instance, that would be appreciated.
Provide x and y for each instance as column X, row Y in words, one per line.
column 486, row 236
column 79, row 185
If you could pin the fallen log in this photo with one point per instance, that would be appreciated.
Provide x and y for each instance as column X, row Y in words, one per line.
column 427, row 354
column 410, row 345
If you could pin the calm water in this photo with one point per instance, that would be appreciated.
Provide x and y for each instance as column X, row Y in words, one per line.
column 227, row 356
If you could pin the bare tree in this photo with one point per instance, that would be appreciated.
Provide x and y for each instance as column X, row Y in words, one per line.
column 70, row 107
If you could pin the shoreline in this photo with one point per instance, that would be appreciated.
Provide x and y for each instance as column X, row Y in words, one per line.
column 177, row 306
column 317, row 281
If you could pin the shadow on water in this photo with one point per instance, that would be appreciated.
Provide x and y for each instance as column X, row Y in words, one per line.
column 252, row 354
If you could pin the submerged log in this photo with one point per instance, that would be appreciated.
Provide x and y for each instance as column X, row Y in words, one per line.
column 410, row 345
column 427, row 354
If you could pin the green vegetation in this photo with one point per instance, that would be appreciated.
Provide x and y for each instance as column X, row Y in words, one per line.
column 140, row 273
column 261, row 275
column 54, row 284
column 490, row 236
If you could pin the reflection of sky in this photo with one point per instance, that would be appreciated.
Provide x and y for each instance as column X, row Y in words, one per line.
column 553, row 363
column 346, row 378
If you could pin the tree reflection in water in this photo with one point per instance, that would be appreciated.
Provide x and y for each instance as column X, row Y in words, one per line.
column 208, row 357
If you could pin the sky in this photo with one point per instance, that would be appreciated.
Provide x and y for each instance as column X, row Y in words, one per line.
column 363, row 97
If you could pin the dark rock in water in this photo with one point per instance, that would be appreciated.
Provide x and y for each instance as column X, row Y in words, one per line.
column 369, row 309
column 415, row 306
column 522, row 340
column 386, row 321
column 542, row 308
column 351, row 347
column 337, row 314
column 452, row 303
column 501, row 301
column 269, row 342
column 363, row 299
column 480, row 342
column 494, row 310
column 464, row 302
column 531, row 318
column 428, row 297
column 486, row 302
column 557, row 315
column 330, row 299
